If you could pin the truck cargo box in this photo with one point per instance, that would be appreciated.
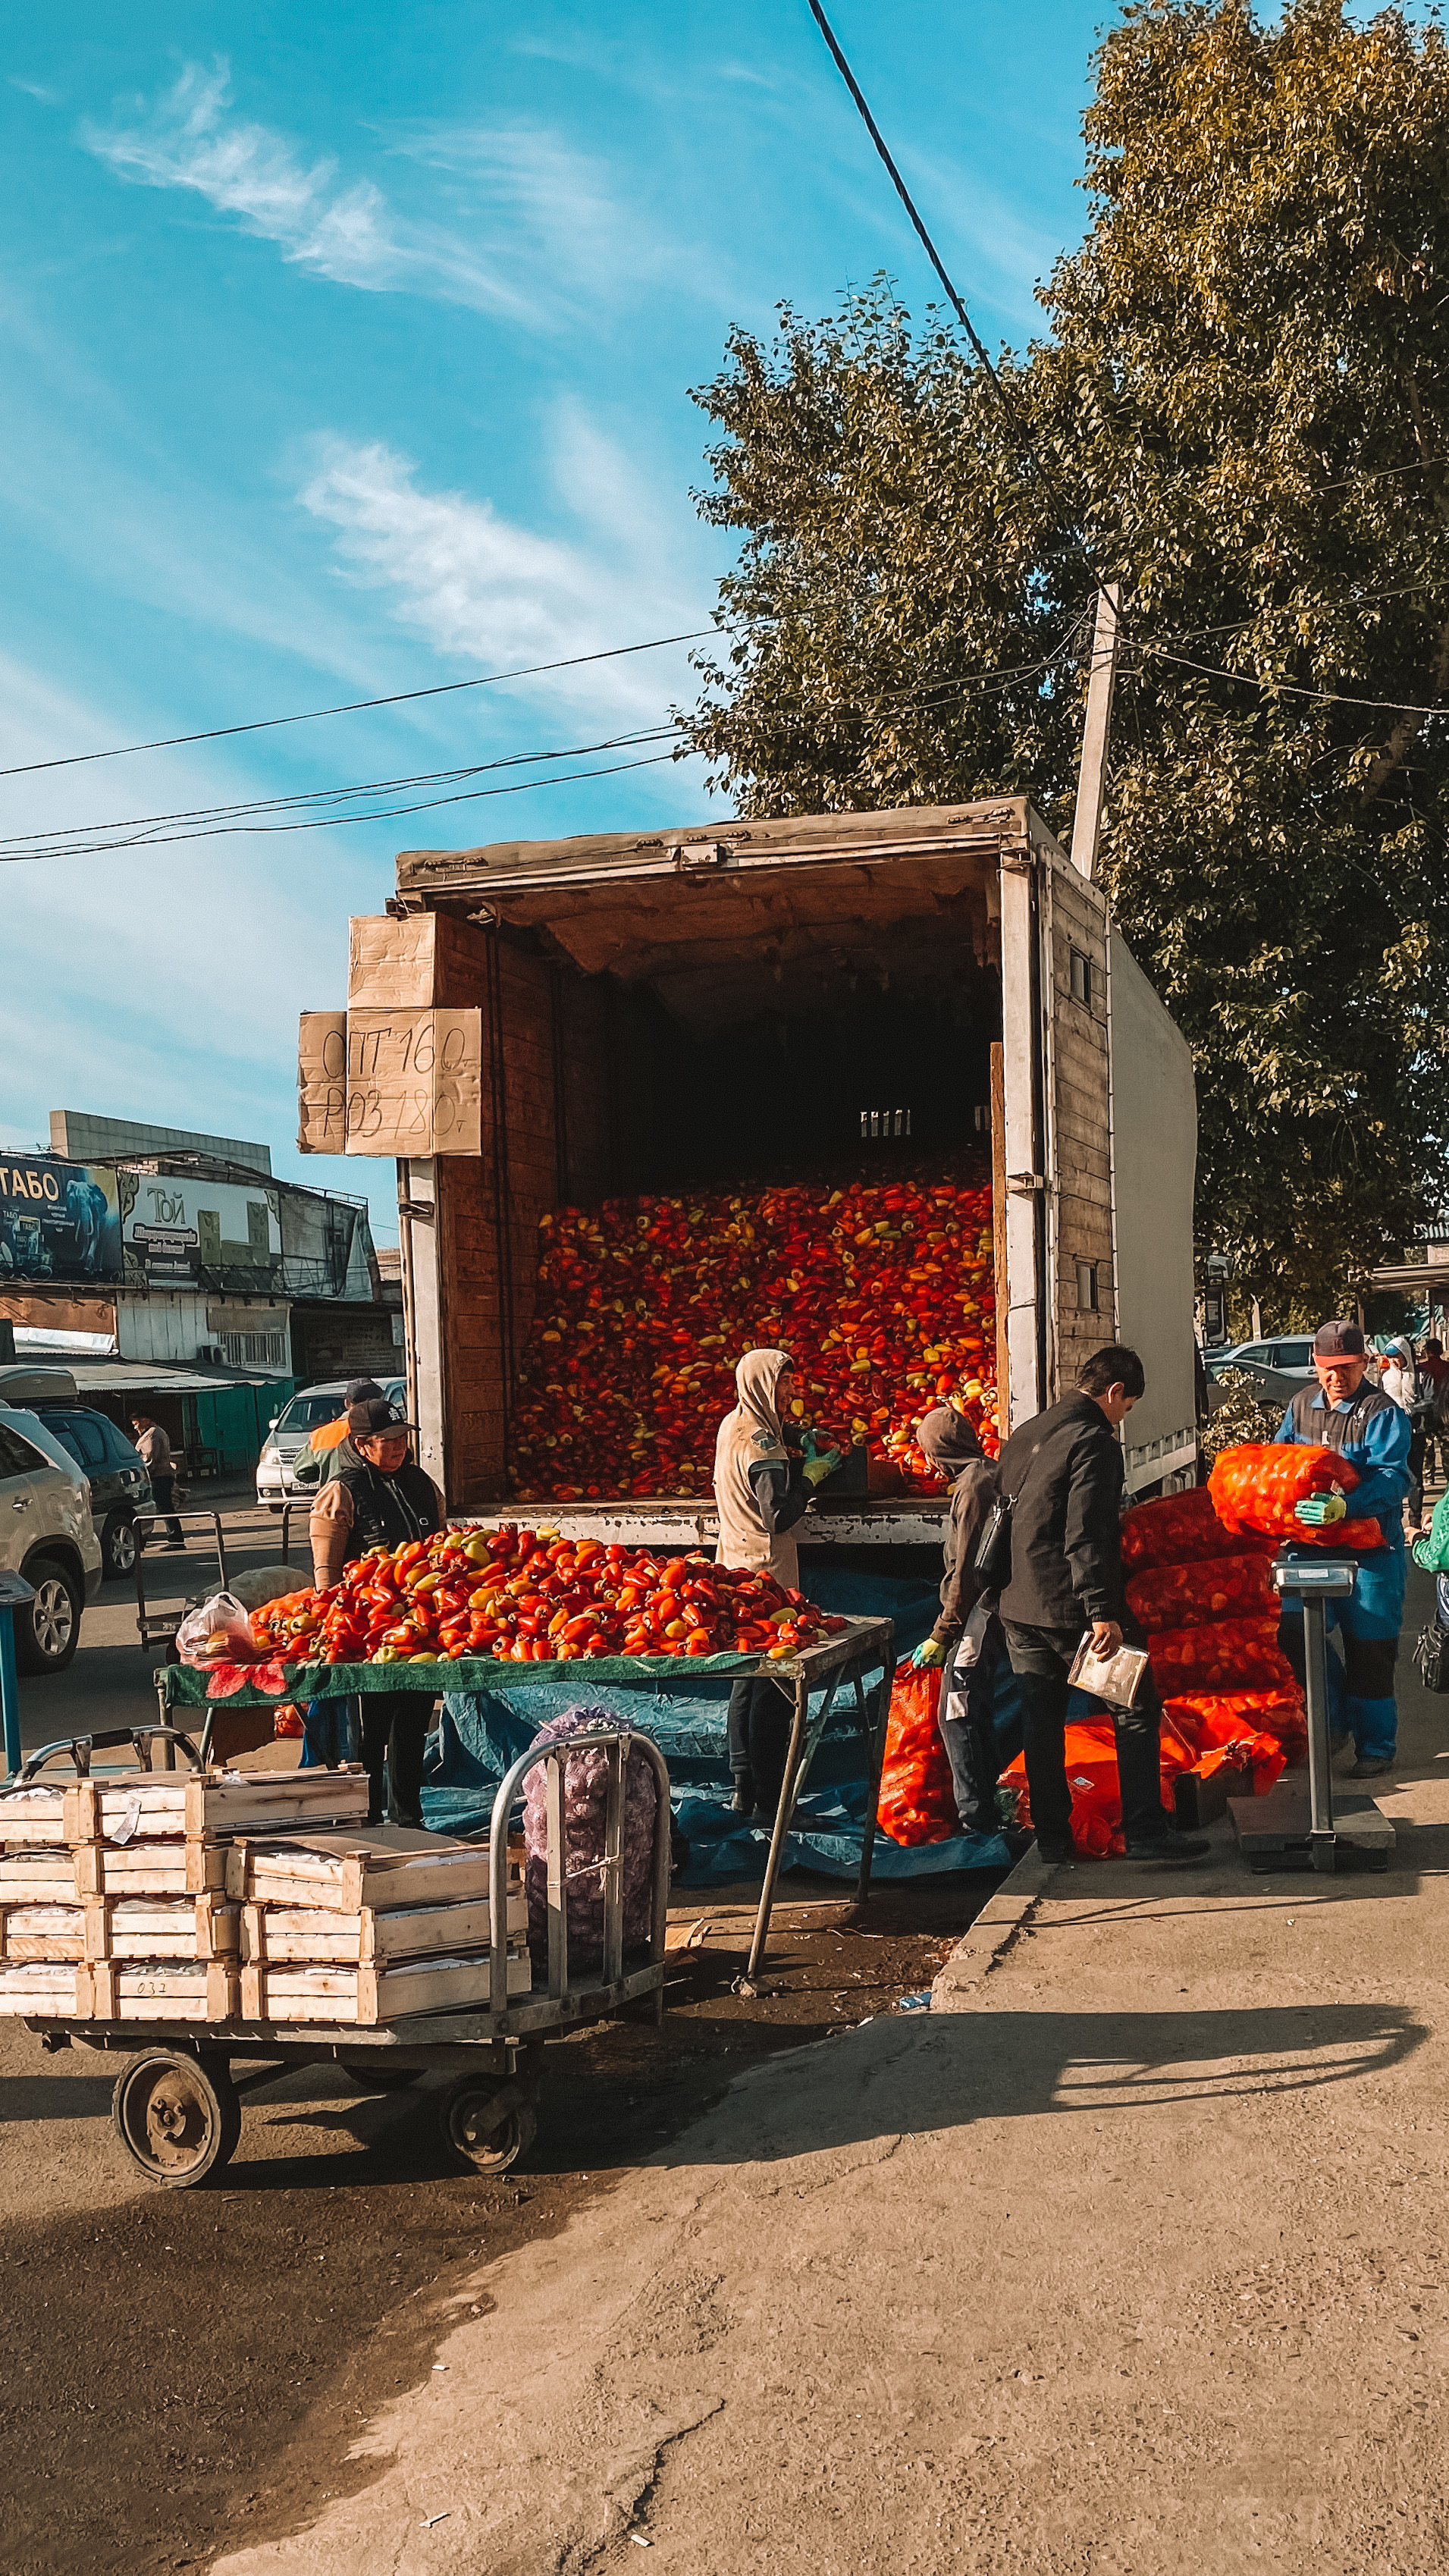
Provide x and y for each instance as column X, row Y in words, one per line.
column 748, row 1002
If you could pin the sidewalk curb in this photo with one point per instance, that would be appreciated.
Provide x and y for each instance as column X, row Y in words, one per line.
column 992, row 1933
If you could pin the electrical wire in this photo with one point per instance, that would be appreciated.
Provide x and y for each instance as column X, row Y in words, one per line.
column 360, row 706
column 328, row 822
column 1020, row 429
column 141, row 824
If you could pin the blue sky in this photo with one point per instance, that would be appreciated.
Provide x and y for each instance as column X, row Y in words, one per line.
column 347, row 350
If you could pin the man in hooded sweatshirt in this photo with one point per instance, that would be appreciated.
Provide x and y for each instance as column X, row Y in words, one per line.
column 968, row 1649
column 761, row 1489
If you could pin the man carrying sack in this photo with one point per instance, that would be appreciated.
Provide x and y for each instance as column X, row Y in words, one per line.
column 1062, row 1476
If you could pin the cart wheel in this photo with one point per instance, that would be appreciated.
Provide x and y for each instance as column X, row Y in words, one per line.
column 463, row 2116
column 177, row 2116
column 379, row 2079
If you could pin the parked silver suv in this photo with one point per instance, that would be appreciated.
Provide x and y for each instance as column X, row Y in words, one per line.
column 47, row 1535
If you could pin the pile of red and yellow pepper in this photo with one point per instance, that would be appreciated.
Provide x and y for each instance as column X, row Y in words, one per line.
column 882, row 1293
column 526, row 1596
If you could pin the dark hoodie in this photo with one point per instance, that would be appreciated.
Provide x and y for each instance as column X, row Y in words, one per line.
column 950, row 1443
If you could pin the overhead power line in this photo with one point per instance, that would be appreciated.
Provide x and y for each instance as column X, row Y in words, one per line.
column 360, row 706
column 1021, row 430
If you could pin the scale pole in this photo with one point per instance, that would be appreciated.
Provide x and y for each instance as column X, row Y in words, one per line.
column 1321, row 1839
column 9, row 1691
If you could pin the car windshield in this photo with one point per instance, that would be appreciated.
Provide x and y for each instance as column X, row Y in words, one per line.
column 306, row 1411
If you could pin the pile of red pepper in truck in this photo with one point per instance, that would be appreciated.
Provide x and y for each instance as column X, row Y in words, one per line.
column 526, row 1596
column 883, row 1295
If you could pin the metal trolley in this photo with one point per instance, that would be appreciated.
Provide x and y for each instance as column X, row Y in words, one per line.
column 177, row 2103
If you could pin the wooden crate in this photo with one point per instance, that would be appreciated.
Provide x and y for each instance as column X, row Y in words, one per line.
column 369, row 1994
column 45, row 1988
column 163, row 1927
column 148, row 1869
column 347, row 1873
column 32, row 1818
column 166, row 1991
column 313, row 1933
column 204, row 1806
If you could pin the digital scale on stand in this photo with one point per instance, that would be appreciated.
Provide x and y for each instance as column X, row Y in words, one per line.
column 1305, row 1825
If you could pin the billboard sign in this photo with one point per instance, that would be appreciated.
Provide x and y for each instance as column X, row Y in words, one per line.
column 58, row 1220
column 187, row 1233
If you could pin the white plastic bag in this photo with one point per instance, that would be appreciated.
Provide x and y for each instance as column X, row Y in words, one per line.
column 218, row 1633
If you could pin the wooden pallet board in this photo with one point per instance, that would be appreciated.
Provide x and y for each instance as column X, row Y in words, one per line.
column 32, row 1818
column 366, row 1995
column 188, row 1928
column 313, row 1933
column 168, row 1991
column 112, row 1990
column 347, row 1873
column 221, row 1805
column 148, row 1869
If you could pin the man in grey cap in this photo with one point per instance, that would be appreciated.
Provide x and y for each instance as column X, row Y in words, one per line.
column 1344, row 1411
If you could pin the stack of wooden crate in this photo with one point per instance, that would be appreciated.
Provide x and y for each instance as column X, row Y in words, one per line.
column 368, row 1928
column 113, row 1896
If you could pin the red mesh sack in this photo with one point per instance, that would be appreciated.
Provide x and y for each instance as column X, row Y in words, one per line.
column 1230, row 1655
column 1091, row 1759
column 1215, row 1733
column 917, row 1804
column 1174, row 1530
column 1278, row 1714
column 1257, row 1486
column 1191, row 1596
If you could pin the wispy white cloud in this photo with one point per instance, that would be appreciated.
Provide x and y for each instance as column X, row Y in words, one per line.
column 345, row 231
column 479, row 585
column 516, row 222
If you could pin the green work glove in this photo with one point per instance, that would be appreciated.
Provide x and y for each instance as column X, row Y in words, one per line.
column 1321, row 1510
column 928, row 1655
column 817, row 1469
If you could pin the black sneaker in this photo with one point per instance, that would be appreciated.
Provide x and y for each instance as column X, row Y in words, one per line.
column 1371, row 1768
column 1058, row 1850
column 1170, row 1847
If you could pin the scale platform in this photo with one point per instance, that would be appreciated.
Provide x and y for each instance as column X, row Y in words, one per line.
column 1274, row 1832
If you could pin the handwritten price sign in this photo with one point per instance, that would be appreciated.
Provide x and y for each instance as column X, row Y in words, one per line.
column 390, row 1082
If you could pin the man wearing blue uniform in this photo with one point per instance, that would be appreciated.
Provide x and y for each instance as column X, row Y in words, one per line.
column 1343, row 1412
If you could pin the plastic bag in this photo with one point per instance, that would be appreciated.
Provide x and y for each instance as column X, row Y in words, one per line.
column 1090, row 1745
column 1191, row 1596
column 1229, row 1655
column 585, row 1806
column 1257, row 1486
column 1175, row 1530
column 917, row 1803
column 1215, row 1734
column 218, row 1633
column 289, row 1720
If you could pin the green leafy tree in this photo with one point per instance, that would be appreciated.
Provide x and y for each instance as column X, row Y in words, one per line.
column 1241, row 412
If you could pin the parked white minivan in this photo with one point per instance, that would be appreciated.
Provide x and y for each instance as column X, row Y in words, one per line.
column 47, row 1535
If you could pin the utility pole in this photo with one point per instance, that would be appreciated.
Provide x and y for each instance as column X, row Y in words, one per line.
column 1093, row 773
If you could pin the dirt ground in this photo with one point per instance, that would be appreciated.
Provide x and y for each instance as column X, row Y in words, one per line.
column 182, row 2365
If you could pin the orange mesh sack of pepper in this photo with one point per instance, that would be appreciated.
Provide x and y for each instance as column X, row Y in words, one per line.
column 1176, row 1529
column 916, row 1803
column 1260, row 1485
column 1188, row 1596
column 1225, row 1655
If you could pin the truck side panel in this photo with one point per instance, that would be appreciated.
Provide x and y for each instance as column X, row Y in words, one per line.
column 1154, row 1166
column 1080, row 1262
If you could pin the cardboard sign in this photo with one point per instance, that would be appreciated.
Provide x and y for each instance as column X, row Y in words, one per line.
column 414, row 1082
column 322, row 1083
column 392, row 965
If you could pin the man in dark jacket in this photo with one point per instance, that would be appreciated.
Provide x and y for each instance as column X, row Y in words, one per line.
column 1063, row 1476
column 969, row 1650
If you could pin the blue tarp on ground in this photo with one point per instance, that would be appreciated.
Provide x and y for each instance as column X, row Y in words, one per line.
column 483, row 1732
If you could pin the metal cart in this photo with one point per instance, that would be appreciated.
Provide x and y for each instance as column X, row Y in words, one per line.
column 177, row 2104
column 158, row 1627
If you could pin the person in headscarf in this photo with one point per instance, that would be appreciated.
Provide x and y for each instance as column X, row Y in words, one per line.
column 761, row 1489
column 1404, row 1384
column 967, row 1641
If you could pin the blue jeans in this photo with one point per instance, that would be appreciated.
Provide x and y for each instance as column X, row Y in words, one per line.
column 327, row 1734
column 1361, row 1688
